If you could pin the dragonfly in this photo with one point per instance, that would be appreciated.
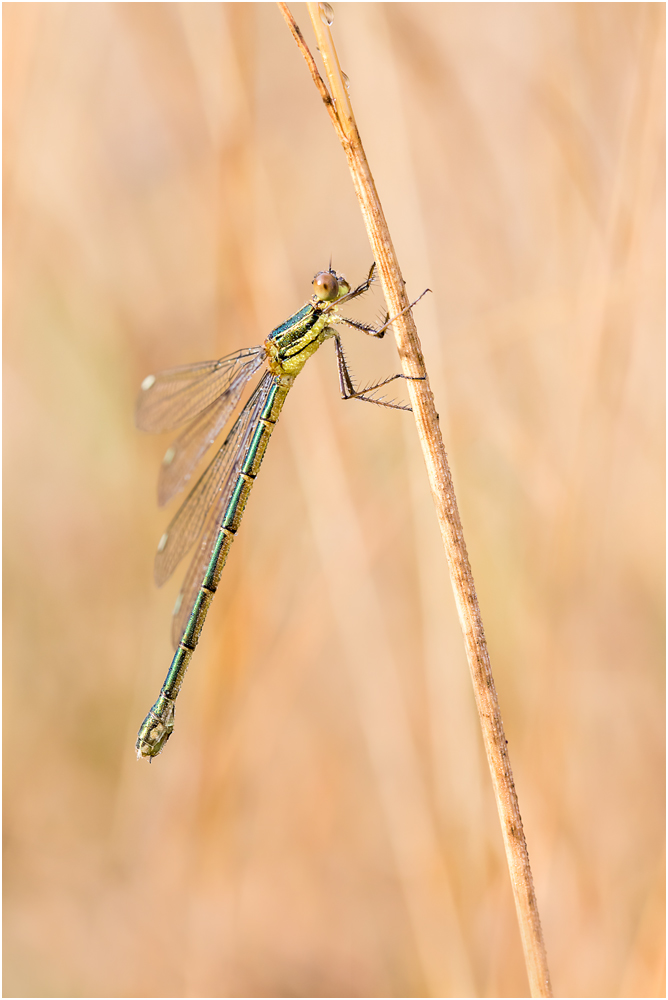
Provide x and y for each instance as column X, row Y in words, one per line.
column 201, row 399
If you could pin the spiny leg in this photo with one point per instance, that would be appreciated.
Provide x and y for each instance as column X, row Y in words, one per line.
column 374, row 331
column 348, row 390
column 361, row 289
column 356, row 292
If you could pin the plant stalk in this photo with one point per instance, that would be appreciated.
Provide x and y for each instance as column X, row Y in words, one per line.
column 338, row 105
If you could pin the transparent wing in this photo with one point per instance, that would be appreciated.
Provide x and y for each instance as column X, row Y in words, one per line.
column 193, row 581
column 184, row 454
column 202, row 557
column 173, row 397
column 212, row 488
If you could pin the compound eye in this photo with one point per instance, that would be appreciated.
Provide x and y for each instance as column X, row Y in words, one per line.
column 326, row 286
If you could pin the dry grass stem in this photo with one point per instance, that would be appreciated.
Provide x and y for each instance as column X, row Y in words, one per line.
column 340, row 111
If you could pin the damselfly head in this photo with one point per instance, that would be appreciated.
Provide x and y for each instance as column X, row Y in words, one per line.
column 329, row 286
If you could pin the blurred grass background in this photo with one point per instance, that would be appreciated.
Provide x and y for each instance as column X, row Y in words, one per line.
column 322, row 822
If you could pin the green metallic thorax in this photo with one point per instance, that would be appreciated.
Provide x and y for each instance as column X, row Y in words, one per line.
column 290, row 345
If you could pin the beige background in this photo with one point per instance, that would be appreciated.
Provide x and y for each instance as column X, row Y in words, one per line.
column 321, row 823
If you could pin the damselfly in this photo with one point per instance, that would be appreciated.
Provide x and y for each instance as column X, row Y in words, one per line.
column 201, row 398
